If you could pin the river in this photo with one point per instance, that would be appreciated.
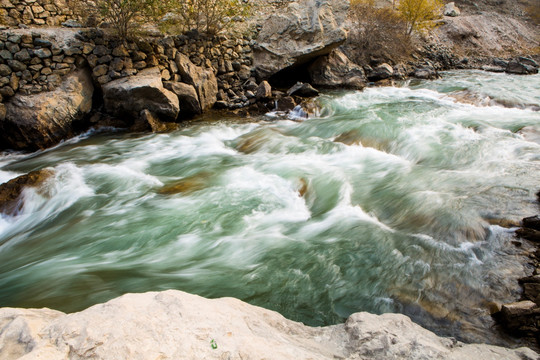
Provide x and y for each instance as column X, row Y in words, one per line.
column 380, row 202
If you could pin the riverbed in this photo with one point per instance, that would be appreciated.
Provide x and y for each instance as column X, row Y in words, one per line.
column 383, row 200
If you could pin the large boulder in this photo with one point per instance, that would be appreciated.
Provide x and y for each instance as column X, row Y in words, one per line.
column 187, row 97
column 522, row 66
column 299, row 33
column 203, row 80
column 336, row 70
column 176, row 325
column 381, row 72
column 127, row 97
column 37, row 121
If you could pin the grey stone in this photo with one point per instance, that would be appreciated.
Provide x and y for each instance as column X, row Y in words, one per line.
column 177, row 325
column 42, row 42
column 100, row 70
column 6, row 55
column 264, row 91
column 451, row 9
column 295, row 35
column 335, row 70
column 74, row 50
column 42, row 53
column 302, row 90
column 129, row 96
column 22, row 55
column 16, row 65
column 4, row 70
column 41, row 120
column 203, row 80
column 381, row 72
column 187, row 98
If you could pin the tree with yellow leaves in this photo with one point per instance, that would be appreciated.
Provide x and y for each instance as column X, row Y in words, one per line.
column 419, row 14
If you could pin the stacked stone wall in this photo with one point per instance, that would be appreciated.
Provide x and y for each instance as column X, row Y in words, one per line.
column 32, row 61
column 35, row 12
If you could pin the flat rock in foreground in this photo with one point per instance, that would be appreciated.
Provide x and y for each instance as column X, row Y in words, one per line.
column 176, row 325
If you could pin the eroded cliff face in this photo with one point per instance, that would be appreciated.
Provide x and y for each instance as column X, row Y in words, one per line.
column 177, row 325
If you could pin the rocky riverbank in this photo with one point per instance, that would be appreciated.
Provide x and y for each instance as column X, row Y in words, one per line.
column 56, row 82
column 177, row 325
column 522, row 318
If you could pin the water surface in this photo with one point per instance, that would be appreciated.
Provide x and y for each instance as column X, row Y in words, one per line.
column 379, row 203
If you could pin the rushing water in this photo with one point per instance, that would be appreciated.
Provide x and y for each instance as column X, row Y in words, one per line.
column 377, row 204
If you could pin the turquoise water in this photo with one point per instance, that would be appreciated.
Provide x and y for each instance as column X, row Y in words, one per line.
column 377, row 203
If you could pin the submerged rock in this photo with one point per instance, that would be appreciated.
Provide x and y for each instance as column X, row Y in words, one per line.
column 38, row 121
column 186, row 185
column 10, row 193
column 299, row 33
column 529, row 234
column 303, row 90
column 176, row 325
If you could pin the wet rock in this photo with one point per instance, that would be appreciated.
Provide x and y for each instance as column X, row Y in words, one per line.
column 41, row 120
column 129, row 96
column 381, row 72
column 285, row 103
column 336, row 70
column 298, row 33
column 187, row 98
column 155, row 124
column 529, row 234
column 186, row 185
column 303, row 90
column 522, row 66
column 519, row 316
column 532, row 222
column 11, row 201
column 264, row 91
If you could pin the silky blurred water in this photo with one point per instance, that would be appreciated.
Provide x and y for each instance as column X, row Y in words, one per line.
column 379, row 203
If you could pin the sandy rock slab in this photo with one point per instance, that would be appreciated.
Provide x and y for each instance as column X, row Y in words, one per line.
column 177, row 325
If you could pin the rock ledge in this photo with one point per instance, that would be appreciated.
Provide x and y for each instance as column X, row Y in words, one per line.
column 176, row 325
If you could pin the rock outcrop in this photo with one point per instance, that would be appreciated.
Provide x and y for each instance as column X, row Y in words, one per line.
column 336, row 70
column 299, row 33
column 127, row 97
column 522, row 66
column 176, row 325
column 41, row 120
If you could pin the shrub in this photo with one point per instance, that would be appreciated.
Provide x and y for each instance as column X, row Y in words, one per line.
column 204, row 16
column 419, row 14
column 124, row 16
column 376, row 33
